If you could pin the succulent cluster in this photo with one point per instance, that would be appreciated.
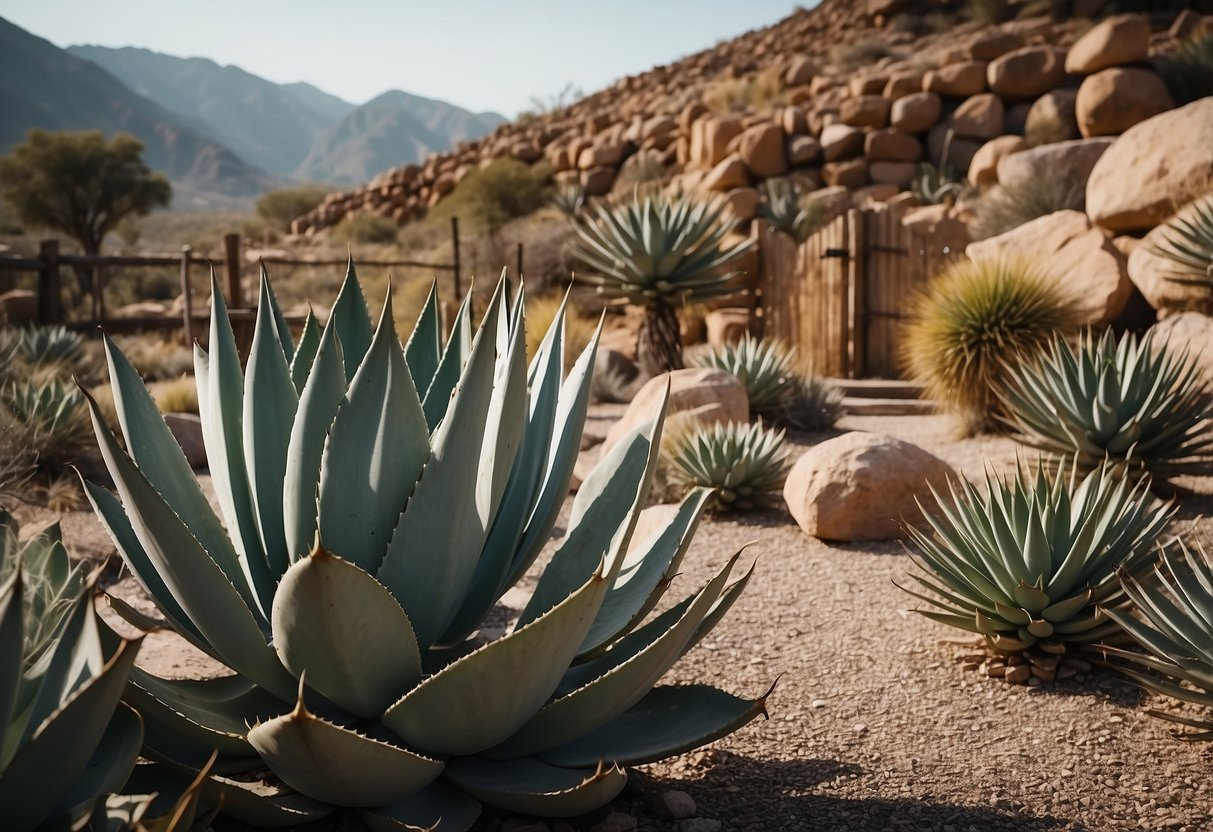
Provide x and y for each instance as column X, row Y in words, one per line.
column 1030, row 564
column 1129, row 401
column 765, row 367
column 658, row 251
column 50, row 417
column 743, row 465
column 377, row 501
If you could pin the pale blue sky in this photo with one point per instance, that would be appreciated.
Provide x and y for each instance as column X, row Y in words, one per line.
column 479, row 54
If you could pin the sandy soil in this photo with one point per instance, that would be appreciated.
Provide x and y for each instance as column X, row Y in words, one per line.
column 874, row 724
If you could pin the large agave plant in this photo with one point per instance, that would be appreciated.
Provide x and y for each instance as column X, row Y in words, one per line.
column 659, row 251
column 67, row 738
column 1188, row 243
column 785, row 209
column 377, row 501
column 765, row 367
column 744, row 465
column 1176, row 628
column 1030, row 564
column 1131, row 401
column 51, row 415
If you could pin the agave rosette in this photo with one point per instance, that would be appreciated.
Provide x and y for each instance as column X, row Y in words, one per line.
column 1032, row 562
column 765, row 367
column 743, row 464
column 1188, row 243
column 380, row 500
column 1131, row 401
column 1175, row 625
column 68, row 739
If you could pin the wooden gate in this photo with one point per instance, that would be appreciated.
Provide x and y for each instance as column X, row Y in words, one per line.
column 842, row 297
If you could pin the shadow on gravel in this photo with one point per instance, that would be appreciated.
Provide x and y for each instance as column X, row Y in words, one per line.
column 750, row 794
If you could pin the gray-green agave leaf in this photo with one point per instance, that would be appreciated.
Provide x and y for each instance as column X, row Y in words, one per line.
column 744, row 465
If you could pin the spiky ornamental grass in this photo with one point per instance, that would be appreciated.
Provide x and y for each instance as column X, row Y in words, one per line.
column 744, row 465
column 1188, row 243
column 766, row 368
column 1031, row 562
column 813, row 405
column 973, row 325
column 1133, row 402
column 1175, row 626
column 661, row 252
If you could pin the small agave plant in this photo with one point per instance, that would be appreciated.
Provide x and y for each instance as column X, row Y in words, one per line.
column 377, row 501
column 68, row 739
column 765, row 367
column 1133, row 402
column 785, row 209
column 1188, row 243
column 744, row 465
column 1030, row 565
column 1176, row 629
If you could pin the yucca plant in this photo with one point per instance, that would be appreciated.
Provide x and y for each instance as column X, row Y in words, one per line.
column 51, row 415
column 570, row 198
column 1175, row 626
column 68, row 739
column 1130, row 401
column 661, row 252
column 785, row 209
column 970, row 328
column 765, row 367
column 744, row 465
column 1188, row 243
column 377, row 501
column 1030, row 563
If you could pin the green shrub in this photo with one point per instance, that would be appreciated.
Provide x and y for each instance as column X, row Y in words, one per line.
column 366, row 228
column 489, row 197
column 278, row 207
column 1188, row 68
column 1002, row 209
column 974, row 322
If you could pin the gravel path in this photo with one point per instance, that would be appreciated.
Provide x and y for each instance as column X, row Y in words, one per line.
column 874, row 724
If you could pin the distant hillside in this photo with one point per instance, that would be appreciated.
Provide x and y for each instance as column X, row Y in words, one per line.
column 43, row 86
column 267, row 125
column 395, row 128
column 294, row 130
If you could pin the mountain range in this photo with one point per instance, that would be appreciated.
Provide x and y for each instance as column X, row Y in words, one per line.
column 219, row 132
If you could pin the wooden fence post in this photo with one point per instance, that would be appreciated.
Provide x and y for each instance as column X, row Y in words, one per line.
column 187, row 302
column 455, row 259
column 50, row 303
column 231, row 261
column 856, row 317
column 520, row 261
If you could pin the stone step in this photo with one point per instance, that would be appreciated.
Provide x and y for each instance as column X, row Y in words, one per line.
column 877, row 388
column 864, row 406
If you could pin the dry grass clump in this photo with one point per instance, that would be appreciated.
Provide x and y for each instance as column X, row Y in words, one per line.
column 974, row 323
column 180, row 395
column 541, row 311
column 1001, row 209
column 859, row 53
column 757, row 92
column 153, row 357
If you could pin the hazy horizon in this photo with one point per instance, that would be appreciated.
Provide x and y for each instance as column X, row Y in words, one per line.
column 475, row 54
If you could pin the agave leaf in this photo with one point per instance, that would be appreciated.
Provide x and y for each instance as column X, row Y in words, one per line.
column 450, row 366
column 152, row 446
column 11, row 638
column 668, row 720
column 424, row 347
column 336, row 765
column 270, row 402
column 305, row 353
column 112, row 761
column 344, row 629
column 195, row 581
column 210, row 714
column 322, row 396
column 455, row 500
column 601, row 700
column 351, row 321
column 261, row 806
column 63, row 744
column 533, row 787
column 448, row 713
column 373, row 454
column 436, row 808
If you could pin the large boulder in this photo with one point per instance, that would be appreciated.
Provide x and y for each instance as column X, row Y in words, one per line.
column 710, row 139
column 840, row 141
column 865, row 111
column 862, row 486
column 979, row 117
column 710, row 395
column 1191, row 331
column 1151, row 271
column 915, row 113
column 1070, row 162
column 1112, row 101
column 1051, row 117
column 729, row 174
column 18, row 306
column 762, row 149
column 959, row 79
column 983, row 170
column 187, row 430
column 1151, row 168
column 1067, row 248
column 1115, row 41
column 939, row 228
column 891, row 146
column 1027, row 72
